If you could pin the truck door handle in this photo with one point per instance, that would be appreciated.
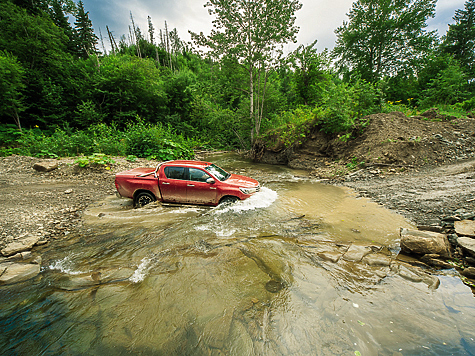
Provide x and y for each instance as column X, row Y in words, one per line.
column 190, row 185
column 165, row 183
column 211, row 188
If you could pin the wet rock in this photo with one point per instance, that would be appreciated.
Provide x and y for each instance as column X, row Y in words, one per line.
column 432, row 281
column 435, row 261
column 274, row 286
column 467, row 244
column 470, row 260
column 465, row 228
column 452, row 218
column 19, row 272
column 45, row 166
column 26, row 255
column 356, row 253
column 330, row 256
column 424, row 242
column 469, row 272
column 409, row 275
column 377, row 260
column 433, row 228
column 76, row 282
column 23, row 244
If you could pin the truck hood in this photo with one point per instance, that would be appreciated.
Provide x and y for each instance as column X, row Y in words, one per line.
column 241, row 181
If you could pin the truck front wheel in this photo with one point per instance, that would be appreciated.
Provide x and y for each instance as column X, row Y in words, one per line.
column 143, row 198
column 228, row 199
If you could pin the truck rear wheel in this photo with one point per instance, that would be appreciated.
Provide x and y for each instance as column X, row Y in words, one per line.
column 143, row 198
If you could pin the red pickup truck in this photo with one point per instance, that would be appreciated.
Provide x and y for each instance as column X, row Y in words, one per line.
column 189, row 182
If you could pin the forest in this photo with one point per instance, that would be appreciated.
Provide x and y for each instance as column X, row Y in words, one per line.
column 152, row 94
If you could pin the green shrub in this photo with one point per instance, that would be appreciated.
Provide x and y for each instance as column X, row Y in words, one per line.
column 156, row 142
column 96, row 159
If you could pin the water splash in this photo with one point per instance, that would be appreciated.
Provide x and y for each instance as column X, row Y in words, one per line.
column 260, row 200
column 64, row 266
column 141, row 271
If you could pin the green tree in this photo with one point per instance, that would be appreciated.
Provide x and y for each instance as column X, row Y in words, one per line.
column 41, row 48
column 448, row 87
column 125, row 87
column 61, row 20
column 11, row 86
column 85, row 37
column 460, row 38
column 311, row 74
column 383, row 37
column 252, row 31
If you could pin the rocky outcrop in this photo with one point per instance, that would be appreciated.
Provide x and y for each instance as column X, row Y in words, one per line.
column 45, row 166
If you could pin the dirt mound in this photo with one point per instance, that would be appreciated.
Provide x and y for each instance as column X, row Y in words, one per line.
column 388, row 140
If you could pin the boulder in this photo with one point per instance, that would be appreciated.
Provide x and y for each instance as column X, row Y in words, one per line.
column 424, row 242
column 469, row 272
column 20, row 245
column 465, row 228
column 45, row 166
column 19, row 272
column 467, row 244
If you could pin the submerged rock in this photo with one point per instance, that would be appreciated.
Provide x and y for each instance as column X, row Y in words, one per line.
column 377, row 260
column 424, row 242
column 19, row 272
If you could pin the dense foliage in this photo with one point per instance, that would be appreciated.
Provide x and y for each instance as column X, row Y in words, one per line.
column 152, row 95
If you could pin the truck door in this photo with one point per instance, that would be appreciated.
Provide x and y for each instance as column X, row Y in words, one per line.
column 197, row 190
column 173, row 184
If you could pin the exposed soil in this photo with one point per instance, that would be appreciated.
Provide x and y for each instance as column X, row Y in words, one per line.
column 422, row 167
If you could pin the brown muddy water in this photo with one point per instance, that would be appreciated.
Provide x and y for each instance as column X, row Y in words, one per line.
column 278, row 274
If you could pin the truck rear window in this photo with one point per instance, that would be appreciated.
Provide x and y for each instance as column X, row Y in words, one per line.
column 175, row 172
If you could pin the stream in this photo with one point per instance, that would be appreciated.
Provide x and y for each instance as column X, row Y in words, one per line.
column 300, row 268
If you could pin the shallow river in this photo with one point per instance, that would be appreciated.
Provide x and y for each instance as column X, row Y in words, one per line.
column 278, row 274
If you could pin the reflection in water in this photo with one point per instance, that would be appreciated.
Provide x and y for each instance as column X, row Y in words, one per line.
column 298, row 269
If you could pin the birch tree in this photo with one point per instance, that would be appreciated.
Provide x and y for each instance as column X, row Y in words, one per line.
column 253, row 32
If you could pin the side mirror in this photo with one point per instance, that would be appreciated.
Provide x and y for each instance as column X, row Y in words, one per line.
column 210, row 181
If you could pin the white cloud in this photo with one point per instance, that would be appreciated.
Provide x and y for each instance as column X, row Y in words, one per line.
column 318, row 19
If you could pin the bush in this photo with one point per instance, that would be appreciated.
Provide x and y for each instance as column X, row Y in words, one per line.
column 156, row 142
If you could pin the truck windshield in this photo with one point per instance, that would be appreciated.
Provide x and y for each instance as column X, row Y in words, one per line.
column 218, row 172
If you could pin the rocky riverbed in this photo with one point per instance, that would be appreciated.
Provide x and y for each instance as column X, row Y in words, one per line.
column 40, row 205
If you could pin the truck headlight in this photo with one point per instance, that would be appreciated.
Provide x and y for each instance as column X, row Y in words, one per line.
column 249, row 191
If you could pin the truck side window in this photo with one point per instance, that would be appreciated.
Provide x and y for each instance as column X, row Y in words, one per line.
column 198, row 175
column 175, row 172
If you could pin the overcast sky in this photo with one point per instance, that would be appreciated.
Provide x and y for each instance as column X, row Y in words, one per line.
column 317, row 19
